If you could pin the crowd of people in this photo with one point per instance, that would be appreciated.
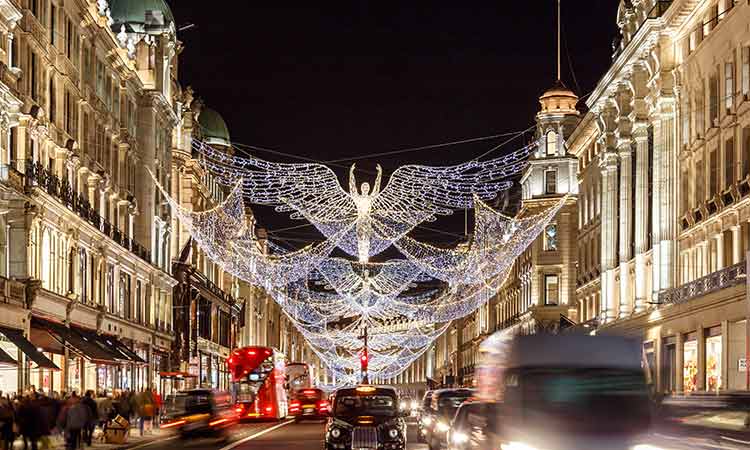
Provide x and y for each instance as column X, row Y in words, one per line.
column 37, row 418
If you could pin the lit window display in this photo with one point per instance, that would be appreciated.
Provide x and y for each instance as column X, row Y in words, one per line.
column 713, row 363
column 690, row 366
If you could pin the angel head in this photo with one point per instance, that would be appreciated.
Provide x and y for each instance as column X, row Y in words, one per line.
column 365, row 188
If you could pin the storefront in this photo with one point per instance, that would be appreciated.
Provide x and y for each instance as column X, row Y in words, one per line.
column 40, row 368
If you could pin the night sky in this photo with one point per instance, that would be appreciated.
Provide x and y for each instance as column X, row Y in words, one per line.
column 349, row 79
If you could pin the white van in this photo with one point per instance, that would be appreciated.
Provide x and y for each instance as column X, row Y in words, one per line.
column 555, row 392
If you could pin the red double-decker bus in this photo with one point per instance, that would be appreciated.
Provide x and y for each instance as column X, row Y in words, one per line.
column 258, row 383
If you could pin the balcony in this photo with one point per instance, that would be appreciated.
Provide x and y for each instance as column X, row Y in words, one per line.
column 38, row 176
column 721, row 279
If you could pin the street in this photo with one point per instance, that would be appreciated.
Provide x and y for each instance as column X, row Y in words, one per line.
column 288, row 435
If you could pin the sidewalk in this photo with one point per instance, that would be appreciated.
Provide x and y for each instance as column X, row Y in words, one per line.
column 134, row 440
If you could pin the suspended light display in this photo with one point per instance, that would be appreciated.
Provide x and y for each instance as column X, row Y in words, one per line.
column 404, row 304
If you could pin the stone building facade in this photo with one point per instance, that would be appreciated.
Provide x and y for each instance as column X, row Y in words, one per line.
column 659, row 232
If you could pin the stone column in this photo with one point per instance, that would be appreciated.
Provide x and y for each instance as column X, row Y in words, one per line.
column 9, row 44
column 736, row 246
column 719, row 251
column 668, row 201
column 641, row 204
column 624, row 151
column 706, row 253
column 609, row 232
column 658, row 186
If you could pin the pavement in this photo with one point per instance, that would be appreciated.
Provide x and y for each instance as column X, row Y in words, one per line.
column 288, row 435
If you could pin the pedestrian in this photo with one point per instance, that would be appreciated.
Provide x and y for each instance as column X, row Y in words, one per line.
column 7, row 419
column 105, row 410
column 157, row 406
column 73, row 418
column 145, row 402
column 48, row 411
column 29, row 424
column 88, row 430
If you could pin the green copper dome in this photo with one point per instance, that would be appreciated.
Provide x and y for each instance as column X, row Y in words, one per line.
column 144, row 12
column 213, row 128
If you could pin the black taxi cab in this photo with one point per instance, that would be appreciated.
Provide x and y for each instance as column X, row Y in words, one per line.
column 199, row 412
column 366, row 417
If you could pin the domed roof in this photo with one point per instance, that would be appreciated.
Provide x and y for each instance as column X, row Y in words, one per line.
column 213, row 128
column 559, row 99
column 149, row 13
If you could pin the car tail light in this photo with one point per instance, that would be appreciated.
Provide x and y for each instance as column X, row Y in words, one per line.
column 323, row 405
column 269, row 409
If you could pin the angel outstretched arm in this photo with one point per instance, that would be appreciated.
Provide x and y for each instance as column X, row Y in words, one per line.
column 352, row 181
column 376, row 188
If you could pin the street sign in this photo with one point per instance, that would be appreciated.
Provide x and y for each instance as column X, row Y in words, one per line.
column 742, row 366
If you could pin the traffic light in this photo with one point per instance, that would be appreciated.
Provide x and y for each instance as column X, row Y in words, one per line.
column 363, row 360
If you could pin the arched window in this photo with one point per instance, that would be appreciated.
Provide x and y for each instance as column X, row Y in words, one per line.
column 551, row 143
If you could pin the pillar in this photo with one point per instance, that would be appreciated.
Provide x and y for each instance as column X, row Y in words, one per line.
column 719, row 251
column 9, row 44
column 641, row 224
column 625, row 222
column 736, row 244
column 665, row 142
column 609, row 232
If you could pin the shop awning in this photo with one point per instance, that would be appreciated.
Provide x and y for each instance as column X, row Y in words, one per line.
column 114, row 346
column 79, row 343
column 16, row 337
column 6, row 359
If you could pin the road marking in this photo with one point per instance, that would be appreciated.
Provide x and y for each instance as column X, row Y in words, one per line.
column 737, row 441
column 256, row 435
column 152, row 443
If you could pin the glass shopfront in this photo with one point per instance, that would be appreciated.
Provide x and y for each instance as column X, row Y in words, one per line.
column 8, row 374
column 713, row 360
column 690, row 365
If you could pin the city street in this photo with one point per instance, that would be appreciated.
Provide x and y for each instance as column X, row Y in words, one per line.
column 288, row 435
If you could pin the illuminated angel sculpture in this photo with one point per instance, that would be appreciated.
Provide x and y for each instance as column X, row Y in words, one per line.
column 367, row 222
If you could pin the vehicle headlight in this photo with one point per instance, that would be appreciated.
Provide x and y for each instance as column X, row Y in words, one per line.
column 403, row 406
column 516, row 446
column 442, row 427
column 393, row 433
column 335, row 433
column 460, row 438
column 414, row 404
column 426, row 420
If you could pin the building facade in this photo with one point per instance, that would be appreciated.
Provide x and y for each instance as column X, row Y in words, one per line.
column 656, row 245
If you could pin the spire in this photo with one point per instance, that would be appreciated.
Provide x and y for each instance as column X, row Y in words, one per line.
column 559, row 37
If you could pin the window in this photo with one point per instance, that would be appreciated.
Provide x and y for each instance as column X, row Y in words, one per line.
column 52, row 100
column 685, row 197
column 728, row 86
column 713, row 100
column 99, row 79
column 112, row 303
column 53, row 24
column 700, row 113
column 138, row 302
column 746, row 72
column 83, row 274
column 550, row 182
column 550, row 238
column 713, row 175
column 729, row 162
column 746, row 151
column 685, row 113
column 33, row 78
column 71, row 115
column 700, row 176
column 551, row 290
column 551, row 143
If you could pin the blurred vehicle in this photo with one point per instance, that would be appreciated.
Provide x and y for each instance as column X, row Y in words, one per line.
column 366, row 417
column 563, row 392
column 199, row 412
column 443, row 408
column 309, row 404
column 460, row 428
column 424, row 417
column 259, row 383
column 298, row 377
column 409, row 405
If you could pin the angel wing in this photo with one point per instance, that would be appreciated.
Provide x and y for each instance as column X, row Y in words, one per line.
column 307, row 190
column 415, row 194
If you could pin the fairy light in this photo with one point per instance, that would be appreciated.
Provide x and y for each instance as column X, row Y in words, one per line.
column 317, row 291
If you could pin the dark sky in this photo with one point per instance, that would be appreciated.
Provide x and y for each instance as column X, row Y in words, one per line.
column 348, row 79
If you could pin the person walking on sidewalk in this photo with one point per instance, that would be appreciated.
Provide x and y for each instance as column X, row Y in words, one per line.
column 145, row 409
column 88, row 429
column 29, row 423
column 73, row 419
column 7, row 418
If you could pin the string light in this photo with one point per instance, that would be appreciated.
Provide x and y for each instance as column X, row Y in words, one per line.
column 404, row 304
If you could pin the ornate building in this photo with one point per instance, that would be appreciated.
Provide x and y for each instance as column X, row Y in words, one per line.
column 663, row 203
column 84, row 267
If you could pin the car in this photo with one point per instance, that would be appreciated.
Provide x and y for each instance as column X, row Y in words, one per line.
column 424, row 418
column 308, row 404
column 199, row 412
column 443, row 408
column 368, row 417
column 459, row 435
